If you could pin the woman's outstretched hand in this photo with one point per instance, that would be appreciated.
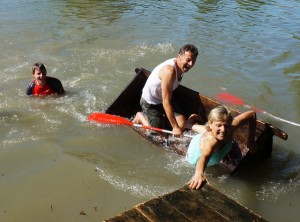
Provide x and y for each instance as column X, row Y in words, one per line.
column 197, row 181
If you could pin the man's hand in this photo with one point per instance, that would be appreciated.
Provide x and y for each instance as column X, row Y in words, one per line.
column 177, row 131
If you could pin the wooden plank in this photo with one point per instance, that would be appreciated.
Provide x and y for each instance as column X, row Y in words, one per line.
column 132, row 215
column 185, row 205
column 159, row 210
column 224, row 205
column 190, row 206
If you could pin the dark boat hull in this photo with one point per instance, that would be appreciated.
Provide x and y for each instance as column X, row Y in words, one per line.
column 128, row 104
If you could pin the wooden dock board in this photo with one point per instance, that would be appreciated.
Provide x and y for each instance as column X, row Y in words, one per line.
column 184, row 204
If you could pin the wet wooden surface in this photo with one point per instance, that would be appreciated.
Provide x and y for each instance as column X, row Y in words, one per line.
column 184, row 204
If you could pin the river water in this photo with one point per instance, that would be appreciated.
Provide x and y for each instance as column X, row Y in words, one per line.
column 56, row 166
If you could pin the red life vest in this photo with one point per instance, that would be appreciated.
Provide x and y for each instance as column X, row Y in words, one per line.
column 42, row 90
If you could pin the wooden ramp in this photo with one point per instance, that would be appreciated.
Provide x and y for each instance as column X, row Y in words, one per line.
column 206, row 204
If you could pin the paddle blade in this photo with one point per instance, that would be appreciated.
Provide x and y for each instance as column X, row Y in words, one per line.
column 229, row 98
column 108, row 119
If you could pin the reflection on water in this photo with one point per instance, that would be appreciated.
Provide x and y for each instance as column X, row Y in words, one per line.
column 208, row 6
column 253, row 5
column 95, row 12
column 247, row 48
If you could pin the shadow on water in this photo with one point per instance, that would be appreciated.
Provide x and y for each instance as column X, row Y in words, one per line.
column 278, row 176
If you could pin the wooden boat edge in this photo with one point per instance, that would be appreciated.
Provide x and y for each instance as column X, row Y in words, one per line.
column 276, row 131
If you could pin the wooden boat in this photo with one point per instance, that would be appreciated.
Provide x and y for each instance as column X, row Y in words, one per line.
column 128, row 104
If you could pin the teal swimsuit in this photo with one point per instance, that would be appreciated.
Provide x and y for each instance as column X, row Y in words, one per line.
column 194, row 152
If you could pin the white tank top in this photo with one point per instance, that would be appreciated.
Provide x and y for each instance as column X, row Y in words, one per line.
column 152, row 92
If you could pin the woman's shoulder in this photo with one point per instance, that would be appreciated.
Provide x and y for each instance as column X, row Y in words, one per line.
column 208, row 138
column 208, row 135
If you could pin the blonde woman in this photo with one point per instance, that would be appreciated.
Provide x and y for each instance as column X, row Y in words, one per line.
column 214, row 140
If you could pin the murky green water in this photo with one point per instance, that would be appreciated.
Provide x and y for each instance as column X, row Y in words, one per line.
column 55, row 165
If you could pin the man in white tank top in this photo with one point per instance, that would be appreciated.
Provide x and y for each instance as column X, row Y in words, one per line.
column 156, row 100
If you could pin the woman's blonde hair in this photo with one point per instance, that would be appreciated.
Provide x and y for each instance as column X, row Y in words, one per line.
column 219, row 113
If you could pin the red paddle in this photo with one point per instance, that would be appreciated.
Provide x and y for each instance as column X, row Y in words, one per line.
column 234, row 100
column 117, row 120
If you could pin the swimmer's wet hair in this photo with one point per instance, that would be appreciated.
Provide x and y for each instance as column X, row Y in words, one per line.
column 39, row 66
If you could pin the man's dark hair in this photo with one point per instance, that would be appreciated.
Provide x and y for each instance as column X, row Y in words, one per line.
column 188, row 48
